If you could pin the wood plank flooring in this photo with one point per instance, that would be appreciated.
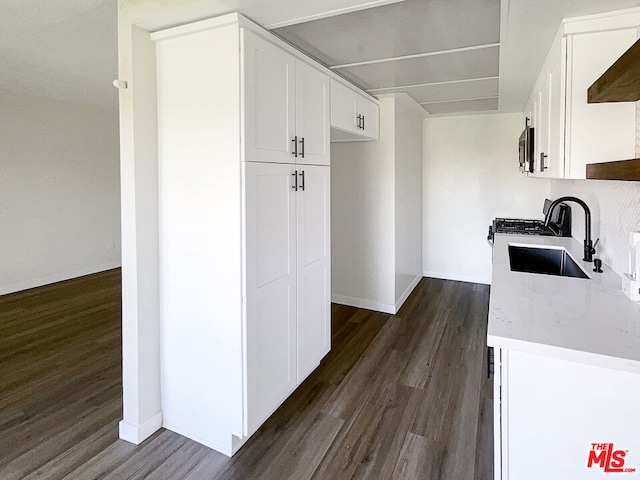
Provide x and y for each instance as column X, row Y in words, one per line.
column 399, row 397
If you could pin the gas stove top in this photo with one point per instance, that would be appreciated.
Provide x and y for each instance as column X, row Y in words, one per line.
column 559, row 224
column 521, row 227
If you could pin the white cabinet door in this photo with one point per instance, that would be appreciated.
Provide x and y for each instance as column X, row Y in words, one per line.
column 343, row 107
column 550, row 131
column 269, row 101
column 549, row 159
column 557, row 410
column 541, row 158
column 369, row 121
column 312, row 115
column 270, row 288
column 354, row 114
column 314, row 263
column 555, row 119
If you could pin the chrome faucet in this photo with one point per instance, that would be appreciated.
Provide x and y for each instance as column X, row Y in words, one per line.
column 589, row 247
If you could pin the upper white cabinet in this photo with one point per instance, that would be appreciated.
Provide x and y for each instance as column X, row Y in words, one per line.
column 569, row 132
column 244, row 246
column 353, row 116
column 286, row 104
column 548, row 105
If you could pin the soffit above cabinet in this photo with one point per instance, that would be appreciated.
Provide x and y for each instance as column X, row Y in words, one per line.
column 443, row 53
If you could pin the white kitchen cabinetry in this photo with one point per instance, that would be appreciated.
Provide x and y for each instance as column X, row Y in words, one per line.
column 244, row 245
column 569, row 132
column 286, row 105
column 353, row 116
column 313, row 227
column 566, row 369
column 548, row 158
column 287, row 258
column 548, row 412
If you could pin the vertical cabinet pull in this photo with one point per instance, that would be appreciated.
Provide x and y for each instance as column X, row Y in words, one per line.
column 295, row 146
column 302, row 148
column 295, row 181
column 363, row 122
column 302, row 177
column 490, row 362
column 543, row 166
column 359, row 121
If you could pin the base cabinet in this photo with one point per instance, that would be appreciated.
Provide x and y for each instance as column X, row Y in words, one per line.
column 558, row 419
column 244, row 227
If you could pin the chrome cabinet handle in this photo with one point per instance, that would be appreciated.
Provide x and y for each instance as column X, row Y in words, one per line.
column 543, row 167
column 295, row 146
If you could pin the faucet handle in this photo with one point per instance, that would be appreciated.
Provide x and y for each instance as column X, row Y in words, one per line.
column 593, row 249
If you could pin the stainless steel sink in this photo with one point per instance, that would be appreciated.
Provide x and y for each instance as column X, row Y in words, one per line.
column 544, row 260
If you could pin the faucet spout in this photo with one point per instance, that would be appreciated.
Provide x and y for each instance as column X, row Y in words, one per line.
column 589, row 249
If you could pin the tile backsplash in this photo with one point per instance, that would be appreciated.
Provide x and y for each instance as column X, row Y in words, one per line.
column 615, row 211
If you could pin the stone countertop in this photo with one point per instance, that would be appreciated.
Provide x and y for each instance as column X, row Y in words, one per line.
column 584, row 320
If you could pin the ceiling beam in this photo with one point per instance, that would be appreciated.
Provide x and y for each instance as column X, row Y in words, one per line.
column 460, row 100
column 417, row 55
column 419, row 85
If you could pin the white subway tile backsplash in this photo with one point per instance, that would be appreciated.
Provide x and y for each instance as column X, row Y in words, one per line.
column 615, row 211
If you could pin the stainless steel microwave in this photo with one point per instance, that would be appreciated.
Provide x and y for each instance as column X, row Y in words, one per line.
column 526, row 150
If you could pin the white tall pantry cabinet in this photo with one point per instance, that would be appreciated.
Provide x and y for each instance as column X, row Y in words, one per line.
column 244, row 226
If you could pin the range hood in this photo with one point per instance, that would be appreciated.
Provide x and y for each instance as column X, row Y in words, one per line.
column 620, row 83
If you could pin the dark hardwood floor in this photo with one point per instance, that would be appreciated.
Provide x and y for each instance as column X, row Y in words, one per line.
column 400, row 396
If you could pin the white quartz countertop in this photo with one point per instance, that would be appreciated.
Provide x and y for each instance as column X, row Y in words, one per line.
column 584, row 320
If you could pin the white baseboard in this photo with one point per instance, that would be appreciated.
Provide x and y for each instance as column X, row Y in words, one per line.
column 407, row 292
column 363, row 303
column 457, row 277
column 58, row 277
column 137, row 434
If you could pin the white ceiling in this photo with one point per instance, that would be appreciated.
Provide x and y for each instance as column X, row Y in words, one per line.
column 438, row 49
column 451, row 56
column 458, row 55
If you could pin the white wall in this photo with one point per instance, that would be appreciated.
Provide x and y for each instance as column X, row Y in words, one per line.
column 470, row 177
column 362, row 218
column 408, row 196
column 59, row 191
column 376, row 213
